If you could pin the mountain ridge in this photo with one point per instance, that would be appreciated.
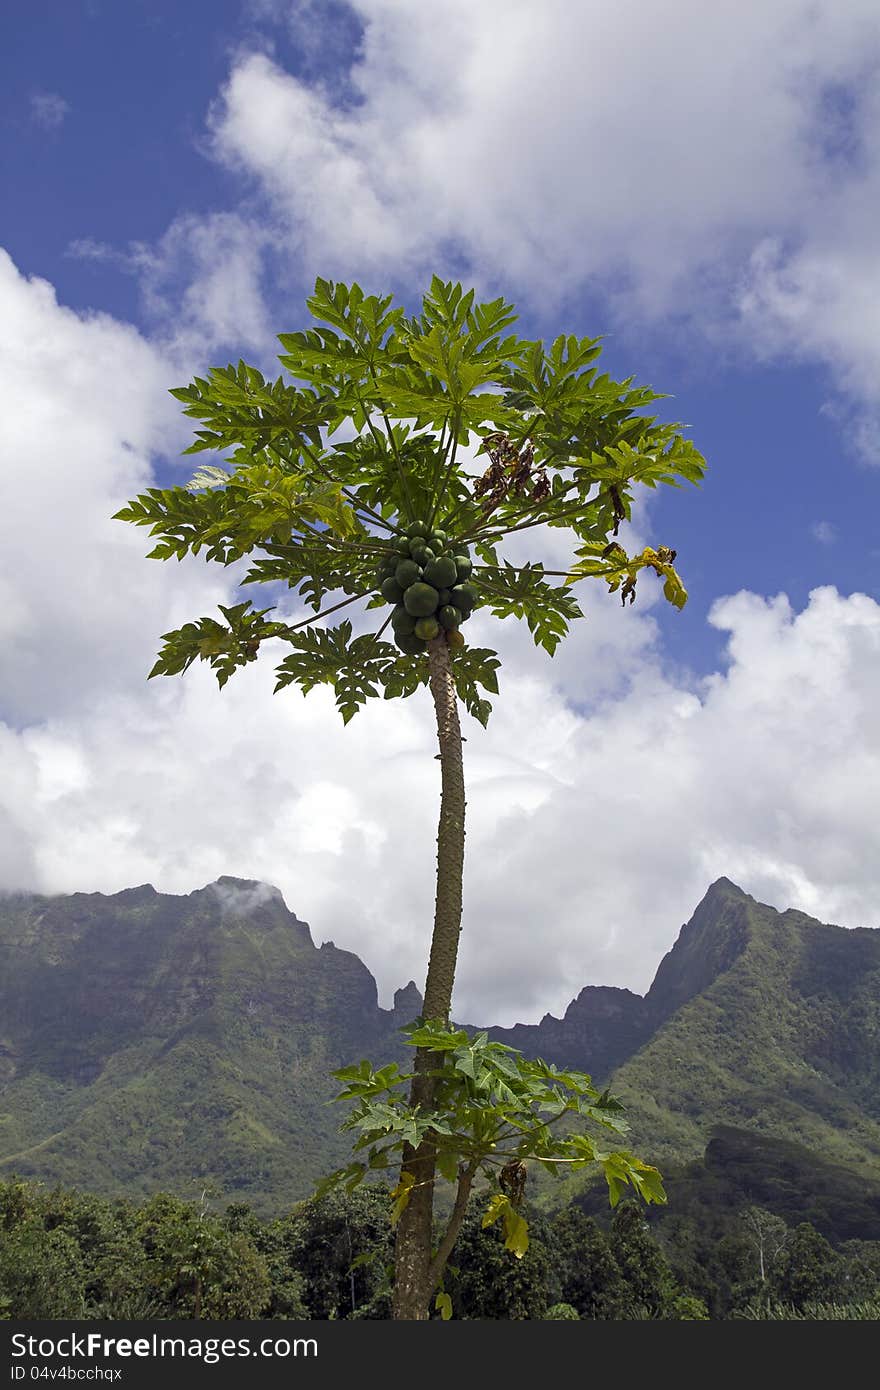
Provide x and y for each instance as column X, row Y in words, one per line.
column 151, row 1040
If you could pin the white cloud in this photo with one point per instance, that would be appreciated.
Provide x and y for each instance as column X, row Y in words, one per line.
column 708, row 171
column 201, row 284
column 645, row 150
column 590, row 836
column 48, row 110
column 87, row 406
column 561, row 147
column 823, row 532
column 602, row 798
column 819, row 301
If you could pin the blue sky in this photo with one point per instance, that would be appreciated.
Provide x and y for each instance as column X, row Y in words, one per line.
column 704, row 197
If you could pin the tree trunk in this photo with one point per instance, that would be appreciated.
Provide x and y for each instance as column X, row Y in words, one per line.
column 413, row 1284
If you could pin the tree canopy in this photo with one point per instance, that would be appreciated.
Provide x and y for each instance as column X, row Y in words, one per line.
column 443, row 419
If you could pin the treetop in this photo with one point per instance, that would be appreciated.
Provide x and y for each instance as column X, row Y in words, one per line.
column 356, row 479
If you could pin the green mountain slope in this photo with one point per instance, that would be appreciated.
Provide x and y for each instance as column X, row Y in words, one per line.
column 765, row 1021
column 150, row 1041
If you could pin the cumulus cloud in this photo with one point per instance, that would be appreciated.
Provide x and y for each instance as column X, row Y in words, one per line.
column 592, row 834
column 823, row 532
column 48, row 110
column 88, row 408
column 602, row 799
column 660, row 154
column 711, row 172
column 201, row 284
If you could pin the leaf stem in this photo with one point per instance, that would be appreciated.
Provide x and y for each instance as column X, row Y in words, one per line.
column 352, row 497
column 499, row 569
column 324, row 612
column 538, row 521
column 446, row 467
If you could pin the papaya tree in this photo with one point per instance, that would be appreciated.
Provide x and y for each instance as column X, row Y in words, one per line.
column 385, row 474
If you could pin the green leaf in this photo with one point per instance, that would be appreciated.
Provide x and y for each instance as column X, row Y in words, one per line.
column 225, row 648
column 473, row 667
column 498, row 1204
column 354, row 666
column 521, row 591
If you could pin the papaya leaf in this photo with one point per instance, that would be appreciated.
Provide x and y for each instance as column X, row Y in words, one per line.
column 443, row 1304
column 225, row 648
column 354, row 666
column 401, row 1195
column 516, row 1232
column 498, row 1205
column 521, row 591
column 473, row 667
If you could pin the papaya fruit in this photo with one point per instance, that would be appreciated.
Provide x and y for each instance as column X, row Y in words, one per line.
column 455, row 638
column 441, row 572
column 407, row 573
column 422, row 554
column 449, row 617
column 427, row 628
column 463, row 567
column 463, row 597
column 445, row 595
column 418, row 528
column 409, row 643
column 420, row 600
column 401, row 546
column 391, row 590
column 437, row 539
column 401, row 621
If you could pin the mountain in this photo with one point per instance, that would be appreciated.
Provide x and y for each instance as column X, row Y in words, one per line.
column 149, row 1040
column 759, row 1019
column 765, row 1020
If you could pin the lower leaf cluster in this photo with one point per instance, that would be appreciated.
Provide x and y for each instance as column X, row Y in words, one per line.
column 493, row 1112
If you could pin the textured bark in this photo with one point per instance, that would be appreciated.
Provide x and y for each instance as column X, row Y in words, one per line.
column 413, row 1275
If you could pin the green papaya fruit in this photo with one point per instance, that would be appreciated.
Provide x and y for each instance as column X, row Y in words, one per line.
column 407, row 572
column 463, row 596
column 418, row 528
column 427, row 628
column 420, row 600
column 391, row 590
column 401, row 621
column 463, row 567
column 441, row 572
column 449, row 617
column 409, row 643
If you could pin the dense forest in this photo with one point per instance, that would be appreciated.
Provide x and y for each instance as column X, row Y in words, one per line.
column 66, row 1254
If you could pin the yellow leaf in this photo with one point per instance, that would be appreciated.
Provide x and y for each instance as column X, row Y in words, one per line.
column 516, row 1232
column 402, row 1193
column 497, row 1207
column 444, row 1304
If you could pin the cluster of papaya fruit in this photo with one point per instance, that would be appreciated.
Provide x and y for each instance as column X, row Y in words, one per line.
column 425, row 575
